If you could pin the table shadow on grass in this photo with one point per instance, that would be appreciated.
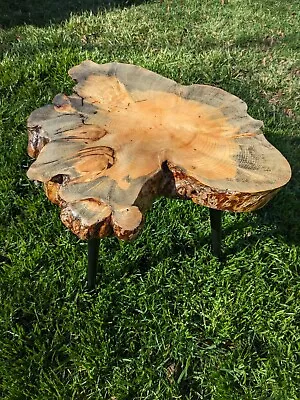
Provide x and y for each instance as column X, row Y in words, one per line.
column 43, row 12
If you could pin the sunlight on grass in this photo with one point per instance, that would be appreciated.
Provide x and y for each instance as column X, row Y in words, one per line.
column 168, row 320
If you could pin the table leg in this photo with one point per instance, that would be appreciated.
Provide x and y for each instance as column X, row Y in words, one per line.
column 216, row 228
column 93, row 251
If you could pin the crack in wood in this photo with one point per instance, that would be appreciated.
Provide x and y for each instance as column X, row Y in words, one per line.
column 127, row 136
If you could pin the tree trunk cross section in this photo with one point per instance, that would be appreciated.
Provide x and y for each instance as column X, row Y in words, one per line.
column 128, row 135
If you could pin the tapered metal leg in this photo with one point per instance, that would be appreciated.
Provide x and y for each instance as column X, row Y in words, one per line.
column 216, row 231
column 93, row 251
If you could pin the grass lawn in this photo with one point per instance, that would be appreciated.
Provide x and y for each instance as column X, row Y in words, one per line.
column 168, row 320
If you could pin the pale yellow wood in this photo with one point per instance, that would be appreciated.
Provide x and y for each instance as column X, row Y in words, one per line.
column 129, row 135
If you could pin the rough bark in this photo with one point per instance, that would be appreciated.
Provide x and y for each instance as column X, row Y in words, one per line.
column 128, row 135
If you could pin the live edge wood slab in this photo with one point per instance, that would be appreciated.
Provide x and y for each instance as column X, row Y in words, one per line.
column 128, row 135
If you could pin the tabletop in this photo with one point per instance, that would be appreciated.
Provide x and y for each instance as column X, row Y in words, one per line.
column 128, row 135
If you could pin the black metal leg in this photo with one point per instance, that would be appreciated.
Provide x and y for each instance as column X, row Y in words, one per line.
column 93, row 251
column 216, row 230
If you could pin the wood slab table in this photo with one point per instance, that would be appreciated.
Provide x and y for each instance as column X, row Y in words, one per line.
column 128, row 135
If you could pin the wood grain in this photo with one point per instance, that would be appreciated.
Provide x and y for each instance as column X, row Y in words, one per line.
column 128, row 135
